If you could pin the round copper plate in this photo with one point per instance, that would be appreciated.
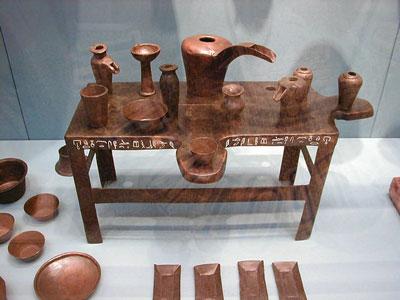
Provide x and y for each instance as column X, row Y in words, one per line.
column 42, row 207
column 68, row 276
column 6, row 226
column 27, row 245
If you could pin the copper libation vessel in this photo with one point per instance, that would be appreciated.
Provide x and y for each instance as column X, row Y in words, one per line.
column 206, row 59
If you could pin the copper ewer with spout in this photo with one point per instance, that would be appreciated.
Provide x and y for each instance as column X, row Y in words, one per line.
column 206, row 59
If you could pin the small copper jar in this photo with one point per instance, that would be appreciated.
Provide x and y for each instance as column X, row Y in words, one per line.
column 63, row 166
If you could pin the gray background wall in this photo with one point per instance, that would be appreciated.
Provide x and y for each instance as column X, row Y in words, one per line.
column 44, row 57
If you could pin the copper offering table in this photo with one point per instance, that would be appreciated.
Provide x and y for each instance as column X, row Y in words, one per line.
column 260, row 124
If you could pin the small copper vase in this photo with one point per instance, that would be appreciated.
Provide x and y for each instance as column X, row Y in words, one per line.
column 103, row 66
column 63, row 166
column 306, row 74
column 95, row 101
column 349, row 85
column 169, row 85
column 233, row 101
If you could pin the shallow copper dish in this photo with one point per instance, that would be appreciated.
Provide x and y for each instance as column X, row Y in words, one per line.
column 12, row 179
column 146, row 114
column 27, row 245
column 68, row 276
column 42, row 207
column 6, row 226
column 145, row 51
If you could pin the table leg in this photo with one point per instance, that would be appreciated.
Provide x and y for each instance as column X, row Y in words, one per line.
column 317, row 181
column 105, row 165
column 289, row 164
column 84, row 191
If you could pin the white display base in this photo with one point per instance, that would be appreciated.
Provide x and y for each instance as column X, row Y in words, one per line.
column 353, row 252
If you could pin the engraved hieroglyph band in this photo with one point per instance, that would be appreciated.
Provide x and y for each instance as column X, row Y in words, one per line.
column 159, row 143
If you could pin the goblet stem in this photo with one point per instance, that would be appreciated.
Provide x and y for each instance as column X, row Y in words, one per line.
column 147, row 86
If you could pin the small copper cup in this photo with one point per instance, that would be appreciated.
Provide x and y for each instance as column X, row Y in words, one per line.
column 42, row 207
column 203, row 150
column 63, row 166
column 95, row 101
column 233, row 102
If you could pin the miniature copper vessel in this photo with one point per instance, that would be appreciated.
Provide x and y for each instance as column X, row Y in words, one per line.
column 42, row 207
column 68, row 276
column 27, row 245
column 6, row 226
column 103, row 66
column 206, row 59
column 3, row 293
column 252, row 280
column 306, row 74
column 95, row 101
column 349, row 85
column 63, row 165
column 145, row 53
column 167, row 282
column 291, row 93
column 233, row 101
column 208, row 283
column 203, row 150
column 169, row 85
column 288, row 280
column 12, row 179
column 145, row 114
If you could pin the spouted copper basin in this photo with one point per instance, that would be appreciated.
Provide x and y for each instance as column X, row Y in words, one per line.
column 206, row 58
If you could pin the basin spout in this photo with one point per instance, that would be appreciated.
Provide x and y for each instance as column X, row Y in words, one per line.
column 225, row 57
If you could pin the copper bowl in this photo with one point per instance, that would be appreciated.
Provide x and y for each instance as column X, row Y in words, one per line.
column 145, row 52
column 145, row 114
column 203, row 149
column 12, row 179
column 6, row 226
column 71, row 275
column 27, row 245
column 42, row 207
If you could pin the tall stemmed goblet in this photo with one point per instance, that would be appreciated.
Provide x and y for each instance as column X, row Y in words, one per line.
column 145, row 53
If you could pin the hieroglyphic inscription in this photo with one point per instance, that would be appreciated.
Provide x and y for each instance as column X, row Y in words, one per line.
column 122, row 144
column 312, row 140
